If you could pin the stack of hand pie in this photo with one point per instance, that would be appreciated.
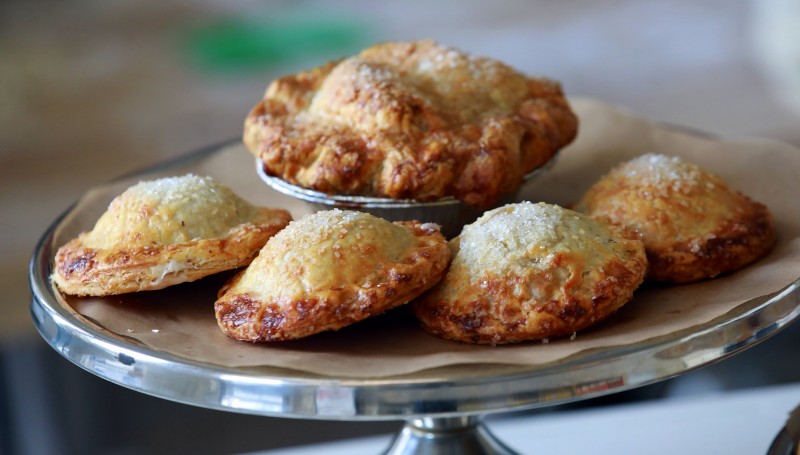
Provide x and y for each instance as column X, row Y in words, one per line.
column 323, row 272
column 529, row 271
column 421, row 121
column 523, row 271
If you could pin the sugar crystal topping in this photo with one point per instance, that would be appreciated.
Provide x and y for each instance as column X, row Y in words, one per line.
column 528, row 233
column 171, row 210
column 180, row 189
column 342, row 229
column 662, row 171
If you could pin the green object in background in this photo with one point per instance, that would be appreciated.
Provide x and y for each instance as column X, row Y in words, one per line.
column 238, row 44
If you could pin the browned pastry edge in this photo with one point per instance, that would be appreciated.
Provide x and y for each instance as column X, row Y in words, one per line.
column 84, row 271
column 555, row 318
column 740, row 241
column 244, row 317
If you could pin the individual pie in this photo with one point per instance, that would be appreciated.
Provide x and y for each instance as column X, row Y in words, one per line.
column 327, row 271
column 532, row 271
column 693, row 225
column 410, row 120
column 163, row 232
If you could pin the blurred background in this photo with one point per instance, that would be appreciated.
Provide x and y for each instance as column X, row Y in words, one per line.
column 90, row 90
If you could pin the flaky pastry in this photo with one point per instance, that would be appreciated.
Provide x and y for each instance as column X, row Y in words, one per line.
column 329, row 270
column 164, row 232
column 693, row 225
column 410, row 121
column 532, row 271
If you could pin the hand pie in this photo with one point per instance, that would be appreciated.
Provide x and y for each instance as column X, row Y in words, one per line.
column 410, row 120
column 329, row 270
column 692, row 224
column 164, row 232
column 531, row 271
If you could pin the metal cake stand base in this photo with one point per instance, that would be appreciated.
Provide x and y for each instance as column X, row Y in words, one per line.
column 447, row 436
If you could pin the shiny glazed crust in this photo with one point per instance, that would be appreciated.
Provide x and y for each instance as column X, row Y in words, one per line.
column 693, row 225
column 532, row 271
column 165, row 232
column 329, row 270
column 410, row 121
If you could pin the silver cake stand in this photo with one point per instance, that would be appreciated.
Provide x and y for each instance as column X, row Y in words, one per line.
column 443, row 408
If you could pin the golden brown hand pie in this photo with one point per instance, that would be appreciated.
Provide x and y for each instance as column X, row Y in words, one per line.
column 692, row 224
column 164, row 232
column 410, row 121
column 329, row 270
column 531, row 271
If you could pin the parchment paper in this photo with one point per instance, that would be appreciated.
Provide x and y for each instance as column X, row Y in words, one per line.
column 180, row 320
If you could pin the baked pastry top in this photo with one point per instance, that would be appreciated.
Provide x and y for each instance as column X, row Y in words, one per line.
column 532, row 271
column 410, row 120
column 329, row 270
column 163, row 232
column 692, row 224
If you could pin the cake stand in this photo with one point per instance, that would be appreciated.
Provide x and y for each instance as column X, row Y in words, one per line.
column 443, row 407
